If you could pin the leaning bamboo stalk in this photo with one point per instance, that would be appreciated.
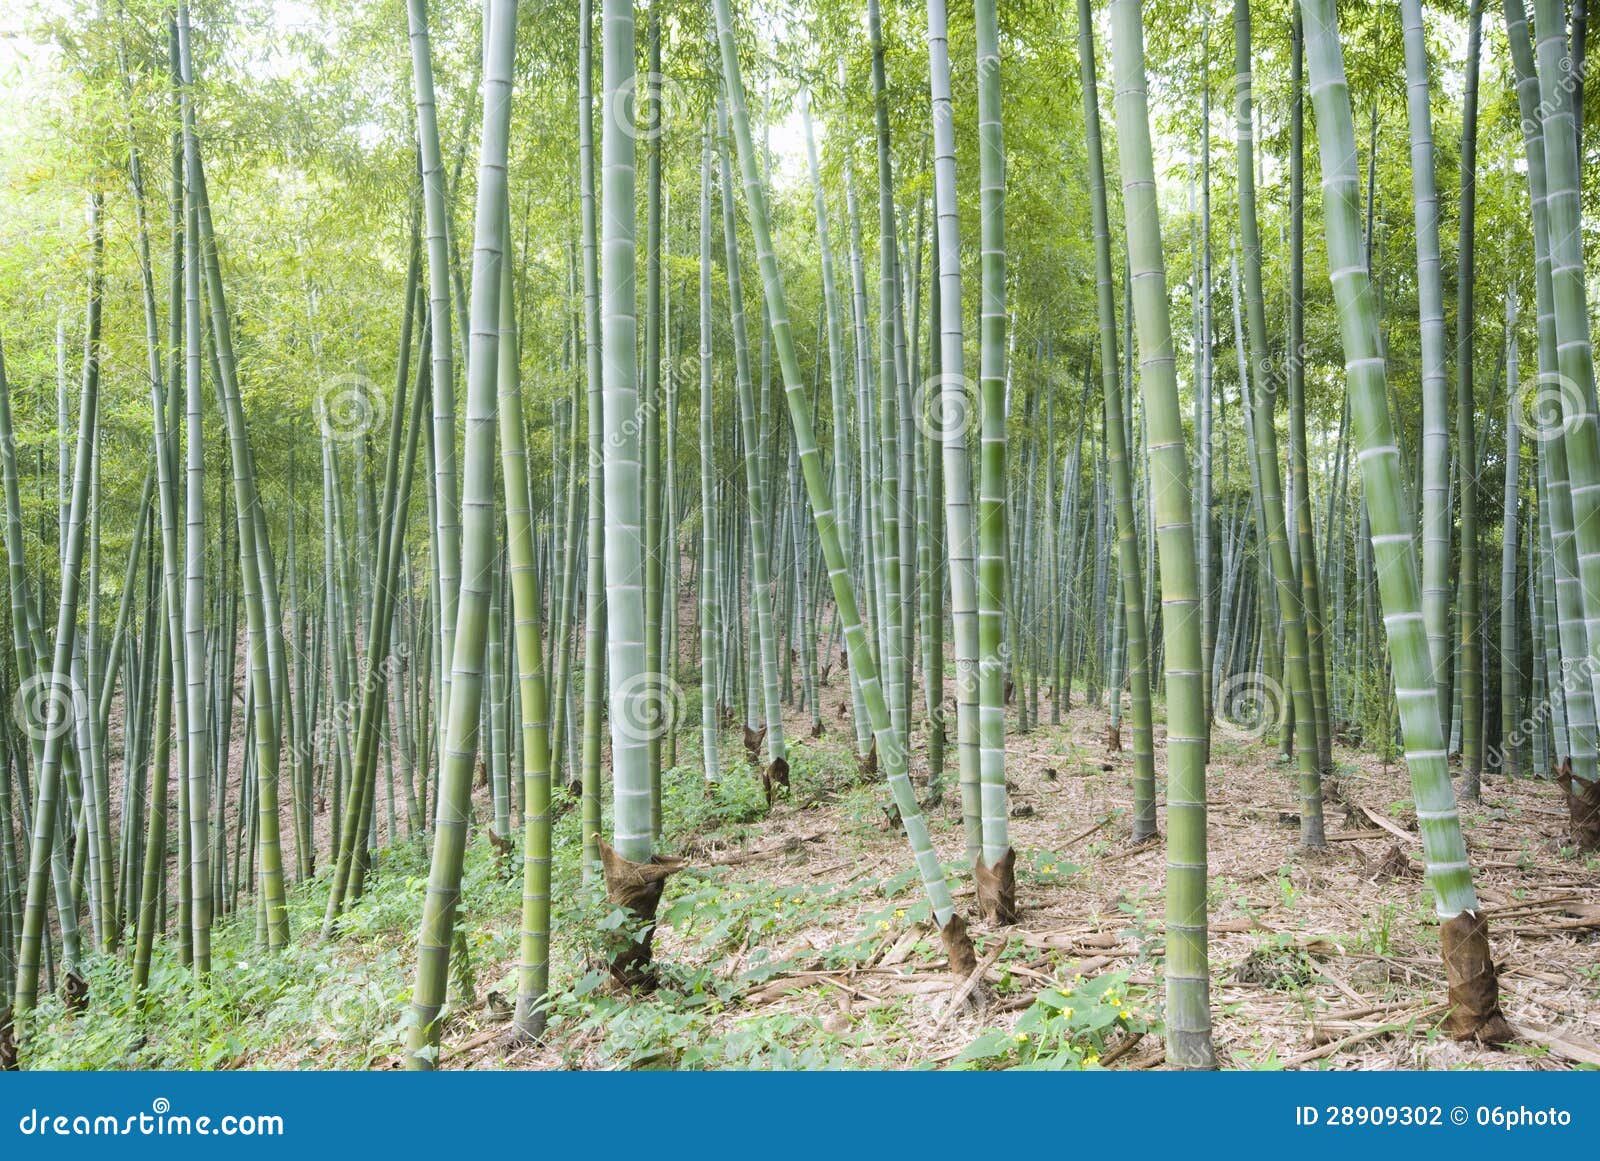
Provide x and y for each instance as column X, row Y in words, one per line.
column 761, row 586
column 1270, row 474
column 455, row 777
column 1449, row 873
column 60, row 697
column 1128, row 563
column 894, row 757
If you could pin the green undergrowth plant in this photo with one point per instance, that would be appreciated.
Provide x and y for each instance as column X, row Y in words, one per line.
column 316, row 1004
column 1048, row 867
column 1067, row 1028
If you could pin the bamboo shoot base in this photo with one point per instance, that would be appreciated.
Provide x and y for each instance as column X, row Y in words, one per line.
column 997, row 888
column 637, row 887
column 1583, row 806
column 527, row 1026
column 774, row 778
column 752, row 743
column 76, row 993
column 868, row 763
column 1474, row 987
column 958, row 947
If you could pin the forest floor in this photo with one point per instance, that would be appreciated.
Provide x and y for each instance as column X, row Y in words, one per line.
column 797, row 937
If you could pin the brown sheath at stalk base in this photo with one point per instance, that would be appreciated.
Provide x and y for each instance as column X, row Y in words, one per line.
column 1474, row 987
column 76, row 992
column 1583, row 808
column 752, row 743
column 637, row 887
column 958, row 947
column 1114, row 739
column 868, row 763
column 505, row 848
column 997, row 888
column 774, row 778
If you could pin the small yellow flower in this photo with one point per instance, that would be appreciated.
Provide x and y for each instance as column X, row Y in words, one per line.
column 883, row 925
column 1092, row 1058
column 899, row 912
column 1066, row 1013
column 1021, row 1037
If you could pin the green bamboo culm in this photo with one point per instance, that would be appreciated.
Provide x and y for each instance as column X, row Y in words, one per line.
column 894, row 757
column 447, row 527
column 1286, row 579
column 533, row 701
column 1510, row 650
column 710, row 612
column 1567, row 625
column 478, row 548
column 1187, row 972
column 992, row 535
column 196, row 696
column 51, row 727
column 1117, row 454
column 1464, row 932
column 1435, row 398
column 251, row 552
column 838, row 367
column 649, row 111
column 594, row 594
column 1317, row 640
column 955, row 413
column 893, row 664
column 629, row 689
column 763, row 622
column 373, row 689
column 1467, row 583
column 1575, row 356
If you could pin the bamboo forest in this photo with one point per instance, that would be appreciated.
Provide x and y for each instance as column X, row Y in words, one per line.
column 799, row 534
